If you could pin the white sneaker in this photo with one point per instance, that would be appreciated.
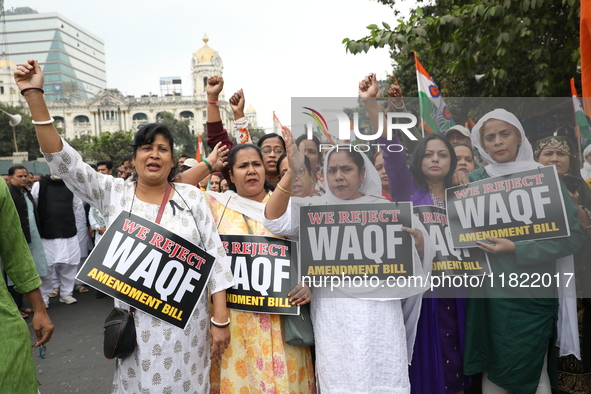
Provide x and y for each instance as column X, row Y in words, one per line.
column 68, row 300
column 46, row 304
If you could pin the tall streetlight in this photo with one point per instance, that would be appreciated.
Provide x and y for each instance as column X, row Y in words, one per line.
column 13, row 121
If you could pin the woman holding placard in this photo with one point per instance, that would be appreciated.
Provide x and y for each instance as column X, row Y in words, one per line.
column 511, row 340
column 361, row 343
column 166, row 357
column 559, row 151
column 257, row 358
column 437, row 364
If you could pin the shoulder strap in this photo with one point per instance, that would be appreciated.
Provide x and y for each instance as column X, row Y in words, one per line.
column 163, row 204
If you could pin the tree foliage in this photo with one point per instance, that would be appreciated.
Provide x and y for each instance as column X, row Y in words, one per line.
column 256, row 134
column 26, row 138
column 522, row 47
column 184, row 140
column 107, row 146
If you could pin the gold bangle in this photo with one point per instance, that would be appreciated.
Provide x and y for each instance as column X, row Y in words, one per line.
column 283, row 190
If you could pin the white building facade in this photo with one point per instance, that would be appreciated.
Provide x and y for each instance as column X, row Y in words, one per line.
column 110, row 111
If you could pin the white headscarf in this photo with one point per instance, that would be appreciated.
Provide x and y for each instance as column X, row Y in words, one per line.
column 567, row 316
column 525, row 155
column 371, row 187
column 371, row 190
column 586, row 170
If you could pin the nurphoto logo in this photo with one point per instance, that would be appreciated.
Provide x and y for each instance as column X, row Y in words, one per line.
column 346, row 127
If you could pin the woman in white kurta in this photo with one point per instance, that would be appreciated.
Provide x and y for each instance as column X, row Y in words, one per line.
column 362, row 345
column 166, row 359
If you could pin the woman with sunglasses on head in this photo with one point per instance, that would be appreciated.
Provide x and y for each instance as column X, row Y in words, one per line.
column 165, row 355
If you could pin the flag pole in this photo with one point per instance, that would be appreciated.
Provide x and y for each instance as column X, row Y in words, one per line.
column 420, row 101
column 575, row 95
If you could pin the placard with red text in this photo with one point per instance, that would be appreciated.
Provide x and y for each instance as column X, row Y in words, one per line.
column 525, row 206
column 265, row 270
column 356, row 240
column 144, row 265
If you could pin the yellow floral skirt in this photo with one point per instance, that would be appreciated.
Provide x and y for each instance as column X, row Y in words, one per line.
column 259, row 362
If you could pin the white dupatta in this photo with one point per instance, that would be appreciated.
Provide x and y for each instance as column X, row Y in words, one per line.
column 371, row 190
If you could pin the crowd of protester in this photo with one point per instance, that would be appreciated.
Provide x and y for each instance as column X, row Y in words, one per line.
column 409, row 343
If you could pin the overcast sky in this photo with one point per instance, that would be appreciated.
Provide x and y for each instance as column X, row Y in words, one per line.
column 272, row 49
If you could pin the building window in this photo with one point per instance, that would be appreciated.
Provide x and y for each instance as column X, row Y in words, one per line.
column 204, row 114
column 1, row 89
column 187, row 115
column 204, row 82
column 81, row 119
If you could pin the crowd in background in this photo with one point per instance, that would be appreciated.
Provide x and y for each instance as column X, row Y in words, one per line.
column 426, row 345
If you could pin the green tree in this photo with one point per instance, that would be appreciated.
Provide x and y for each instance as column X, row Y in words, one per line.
column 256, row 134
column 111, row 146
column 26, row 138
column 185, row 141
column 82, row 146
column 522, row 48
column 107, row 146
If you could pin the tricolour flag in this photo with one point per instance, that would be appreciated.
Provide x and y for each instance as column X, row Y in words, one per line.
column 277, row 126
column 583, row 127
column 200, row 155
column 434, row 111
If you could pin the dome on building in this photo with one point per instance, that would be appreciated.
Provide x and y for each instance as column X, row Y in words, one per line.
column 205, row 53
column 6, row 62
column 250, row 110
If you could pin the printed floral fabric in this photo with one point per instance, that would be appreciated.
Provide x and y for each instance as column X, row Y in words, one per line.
column 167, row 359
column 257, row 361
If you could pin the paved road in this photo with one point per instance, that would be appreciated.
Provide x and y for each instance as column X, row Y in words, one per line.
column 75, row 361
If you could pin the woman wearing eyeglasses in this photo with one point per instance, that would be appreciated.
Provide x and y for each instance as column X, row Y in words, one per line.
column 304, row 182
column 272, row 146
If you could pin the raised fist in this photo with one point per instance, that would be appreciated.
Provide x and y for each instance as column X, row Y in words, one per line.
column 395, row 93
column 29, row 75
column 214, row 86
column 237, row 102
column 369, row 86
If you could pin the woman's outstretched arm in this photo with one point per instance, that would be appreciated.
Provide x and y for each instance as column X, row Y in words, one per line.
column 29, row 79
